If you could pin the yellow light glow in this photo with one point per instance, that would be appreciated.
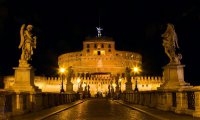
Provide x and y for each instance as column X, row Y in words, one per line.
column 120, row 79
column 62, row 70
column 136, row 69
column 95, row 52
column 102, row 52
column 114, row 85
column 78, row 80
column 84, row 85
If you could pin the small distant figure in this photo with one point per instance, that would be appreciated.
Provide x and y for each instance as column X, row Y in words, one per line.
column 99, row 29
column 27, row 43
column 170, row 43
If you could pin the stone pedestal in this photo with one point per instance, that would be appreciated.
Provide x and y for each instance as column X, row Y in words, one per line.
column 174, row 77
column 69, row 88
column 24, row 80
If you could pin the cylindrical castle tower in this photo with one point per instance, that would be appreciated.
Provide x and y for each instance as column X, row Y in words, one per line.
column 99, row 57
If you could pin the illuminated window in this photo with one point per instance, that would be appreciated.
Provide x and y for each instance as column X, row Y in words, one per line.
column 98, row 52
column 88, row 45
column 109, row 45
column 95, row 45
column 102, row 52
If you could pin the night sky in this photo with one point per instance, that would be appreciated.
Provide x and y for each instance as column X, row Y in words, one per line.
column 136, row 25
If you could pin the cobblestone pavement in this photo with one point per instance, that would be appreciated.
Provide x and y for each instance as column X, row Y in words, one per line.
column 162, row 115
column 39, row 115
column 100, row 109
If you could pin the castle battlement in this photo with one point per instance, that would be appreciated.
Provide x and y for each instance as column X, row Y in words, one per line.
column 52, row 84
column 153, row 78
column 74, row 79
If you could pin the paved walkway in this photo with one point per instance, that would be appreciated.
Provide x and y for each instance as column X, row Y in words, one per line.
column 159, row 114
column 39, row 115
column 155, row 113
column 100, row 109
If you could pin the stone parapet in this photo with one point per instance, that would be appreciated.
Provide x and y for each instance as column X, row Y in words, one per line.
column 12, row 103
column 183, row 101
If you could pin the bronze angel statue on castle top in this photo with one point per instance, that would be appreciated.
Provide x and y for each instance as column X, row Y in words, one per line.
column 27, row 43
column 170, row 44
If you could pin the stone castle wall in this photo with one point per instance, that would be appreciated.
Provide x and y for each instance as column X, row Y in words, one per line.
column 53, row 84
column 99, row 55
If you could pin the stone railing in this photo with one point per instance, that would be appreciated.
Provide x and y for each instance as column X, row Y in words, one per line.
column 185, row 101
column 12, row 104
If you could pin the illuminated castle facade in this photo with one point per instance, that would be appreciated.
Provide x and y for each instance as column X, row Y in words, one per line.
column 98, row 67
column 99, row 57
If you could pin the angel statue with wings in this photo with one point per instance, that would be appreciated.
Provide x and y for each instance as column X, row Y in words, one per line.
column 170, row 43
column 27, row 43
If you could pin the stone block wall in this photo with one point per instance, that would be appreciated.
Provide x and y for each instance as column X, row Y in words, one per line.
column 184, row 101
column 52, row 84
column 12, row 104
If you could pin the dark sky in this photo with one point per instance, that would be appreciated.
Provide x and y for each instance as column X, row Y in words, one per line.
column 137, row 25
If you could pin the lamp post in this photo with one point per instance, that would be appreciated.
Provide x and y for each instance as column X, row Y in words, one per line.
column 62, row 70
column 136, row 70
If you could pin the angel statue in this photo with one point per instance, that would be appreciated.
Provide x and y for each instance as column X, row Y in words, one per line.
column 170, row 43
column 27, row 43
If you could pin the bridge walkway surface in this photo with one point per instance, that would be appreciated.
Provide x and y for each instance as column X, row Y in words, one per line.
column 102, row 109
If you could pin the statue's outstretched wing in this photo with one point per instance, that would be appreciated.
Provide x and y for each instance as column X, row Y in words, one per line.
column 21, row 36
column 176, row 39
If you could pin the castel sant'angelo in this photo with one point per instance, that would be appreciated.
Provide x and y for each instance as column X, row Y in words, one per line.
column 99, row 58
column 99, row 68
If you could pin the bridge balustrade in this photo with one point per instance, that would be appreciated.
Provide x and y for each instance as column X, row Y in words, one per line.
column 182, row 102
column 12, row 103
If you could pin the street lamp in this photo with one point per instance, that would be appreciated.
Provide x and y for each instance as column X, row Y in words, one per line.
column 62, row 70
column 78, row 81
column 136, row 70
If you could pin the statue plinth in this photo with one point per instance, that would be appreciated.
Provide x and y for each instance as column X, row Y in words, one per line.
column 69, row 88
column 174, row 77
column 24, row 80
